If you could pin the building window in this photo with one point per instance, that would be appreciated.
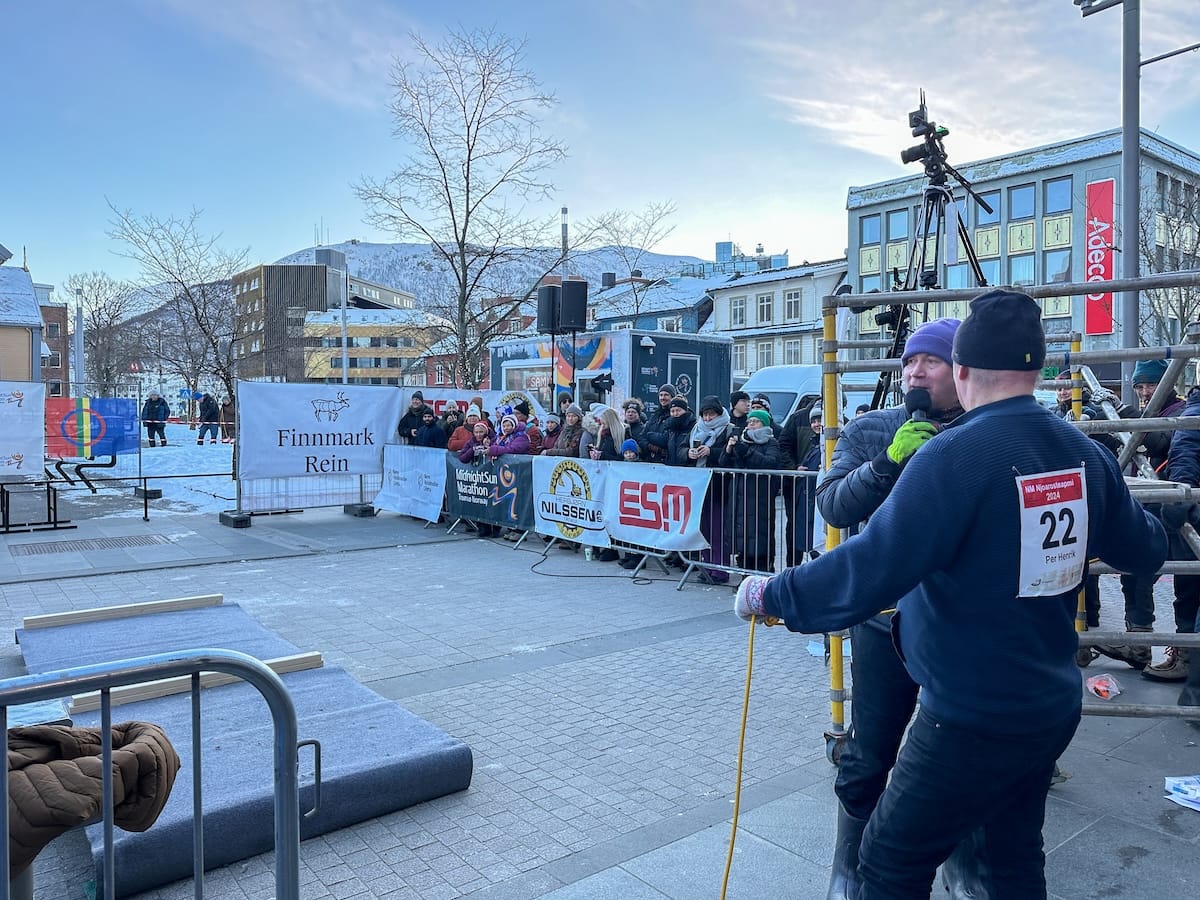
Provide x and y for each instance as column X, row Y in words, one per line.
column 791, row 352
column 439, row 373
column 335, row 362
column 55, row 389
column 671, row 323
column 1020, row 203
column 1020, row 270
column 737, row 312
column 765, row 351
column 1057, row 266
column 897, row 225
column 53, row 330
column 957, row 275
column 868, row 230
column 625, row 325
column 54, row 361
column 765, row 313
column 982, row 216
column 472, row 331
column 739, row 357
column 791, row 306
column 868, row 283
column 991, row 270
column 1057, row 196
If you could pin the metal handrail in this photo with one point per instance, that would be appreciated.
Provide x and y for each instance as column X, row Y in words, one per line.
column 104, row 676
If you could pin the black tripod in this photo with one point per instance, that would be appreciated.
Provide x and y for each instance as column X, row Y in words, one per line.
column 922, row 272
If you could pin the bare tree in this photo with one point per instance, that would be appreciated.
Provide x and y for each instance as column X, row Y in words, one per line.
column 190, row 274
column 1169, row 242
column 468, row 111
column 631, row 236
column 108, row 306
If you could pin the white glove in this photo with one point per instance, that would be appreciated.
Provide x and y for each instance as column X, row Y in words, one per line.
column 748, row 602
column 1104, row 395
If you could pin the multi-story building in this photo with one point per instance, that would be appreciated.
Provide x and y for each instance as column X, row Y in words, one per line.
column 21, row 345
column 774, row 317
column 381, row 344
column 273, row 301
column 679, row 303
column 1053, row 218
column 56, row 336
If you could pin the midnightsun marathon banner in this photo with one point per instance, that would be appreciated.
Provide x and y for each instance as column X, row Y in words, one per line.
column 314, row 429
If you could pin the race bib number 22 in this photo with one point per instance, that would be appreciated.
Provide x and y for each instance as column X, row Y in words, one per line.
column 1054, row 532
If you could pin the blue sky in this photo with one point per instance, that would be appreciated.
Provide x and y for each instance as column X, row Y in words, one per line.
column 752, row 116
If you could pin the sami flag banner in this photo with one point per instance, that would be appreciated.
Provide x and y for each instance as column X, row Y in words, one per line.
column 22, row 427
column 91, row 426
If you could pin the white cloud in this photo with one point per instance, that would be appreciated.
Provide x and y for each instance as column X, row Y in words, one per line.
column 340, row 50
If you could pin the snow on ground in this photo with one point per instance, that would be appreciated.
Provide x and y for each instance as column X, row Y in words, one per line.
column 193, row 478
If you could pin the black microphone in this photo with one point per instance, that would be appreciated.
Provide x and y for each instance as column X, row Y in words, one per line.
column 918, row 403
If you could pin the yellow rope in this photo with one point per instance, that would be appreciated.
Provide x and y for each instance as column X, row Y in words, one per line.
column 737, row 790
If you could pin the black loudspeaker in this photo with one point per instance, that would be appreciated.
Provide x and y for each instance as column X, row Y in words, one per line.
column 572, row 311
column 547, row 321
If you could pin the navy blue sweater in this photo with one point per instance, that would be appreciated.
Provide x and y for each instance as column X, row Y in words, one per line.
column 983, row 656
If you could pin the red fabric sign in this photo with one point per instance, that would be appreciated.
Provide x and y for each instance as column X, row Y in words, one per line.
column 1098, row 215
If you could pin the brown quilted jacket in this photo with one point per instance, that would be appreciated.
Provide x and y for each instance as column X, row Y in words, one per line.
column 55, row 782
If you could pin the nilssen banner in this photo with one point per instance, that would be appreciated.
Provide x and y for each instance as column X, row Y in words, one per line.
column 568, row 497
column 494, row 491
column 655, row 506
column 288, row 430
column 91, row 426
column 22, row 428
column 414, row 481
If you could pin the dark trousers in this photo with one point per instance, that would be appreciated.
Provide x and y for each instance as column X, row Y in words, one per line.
column 949, row 781
column 884, row 697
column 1139, row 600
column 156, row 430
column 1187, row 603
column 799, row 509
column 209, row 428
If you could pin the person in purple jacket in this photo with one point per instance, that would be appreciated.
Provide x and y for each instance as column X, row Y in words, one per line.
column 982, row 546
column 512, row 438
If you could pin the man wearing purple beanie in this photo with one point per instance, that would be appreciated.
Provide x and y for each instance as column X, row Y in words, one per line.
column 870, row 454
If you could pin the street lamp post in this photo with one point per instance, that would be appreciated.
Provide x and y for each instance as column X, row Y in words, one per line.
column 1130, row 172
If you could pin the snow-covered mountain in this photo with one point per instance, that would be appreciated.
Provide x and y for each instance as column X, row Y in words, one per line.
column 414, row 267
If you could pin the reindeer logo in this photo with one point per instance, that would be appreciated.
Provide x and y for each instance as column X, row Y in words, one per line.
column 330, row 407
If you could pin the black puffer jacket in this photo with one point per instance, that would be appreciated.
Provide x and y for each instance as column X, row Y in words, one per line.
column 678, row 438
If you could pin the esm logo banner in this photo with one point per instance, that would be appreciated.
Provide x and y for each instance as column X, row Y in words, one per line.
column 657, row 506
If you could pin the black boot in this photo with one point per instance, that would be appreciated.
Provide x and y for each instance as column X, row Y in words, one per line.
column 843, row 881
column 964, row 874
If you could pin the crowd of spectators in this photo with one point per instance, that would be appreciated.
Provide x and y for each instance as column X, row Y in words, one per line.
column 739, row 437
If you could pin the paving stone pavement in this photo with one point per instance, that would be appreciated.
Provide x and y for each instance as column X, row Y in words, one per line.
column 603, row 715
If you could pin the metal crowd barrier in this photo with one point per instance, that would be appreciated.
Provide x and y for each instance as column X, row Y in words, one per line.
column 103, row 677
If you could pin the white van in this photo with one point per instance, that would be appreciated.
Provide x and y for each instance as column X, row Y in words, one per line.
column 791, row 387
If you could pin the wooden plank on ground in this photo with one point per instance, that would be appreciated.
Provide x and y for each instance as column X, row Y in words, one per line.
column 125, row 610
column 164, row 687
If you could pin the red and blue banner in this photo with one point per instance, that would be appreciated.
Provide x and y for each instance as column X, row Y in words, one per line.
column 91, row 426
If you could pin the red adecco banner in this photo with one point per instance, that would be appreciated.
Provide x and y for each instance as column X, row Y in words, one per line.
column 1098, row 214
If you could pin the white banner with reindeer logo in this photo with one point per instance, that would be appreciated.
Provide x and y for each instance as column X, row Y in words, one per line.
column 22, row 428
column 286, row 430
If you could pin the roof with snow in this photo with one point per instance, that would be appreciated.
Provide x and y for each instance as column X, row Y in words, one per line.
column 668, row 294
column 413, row 318
column 1037, row 159
column 18, row 300
column 828, row 267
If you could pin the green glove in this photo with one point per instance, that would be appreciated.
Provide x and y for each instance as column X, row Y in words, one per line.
column 908, row 440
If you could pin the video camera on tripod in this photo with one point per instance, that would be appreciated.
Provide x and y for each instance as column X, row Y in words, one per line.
column 931, row 150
